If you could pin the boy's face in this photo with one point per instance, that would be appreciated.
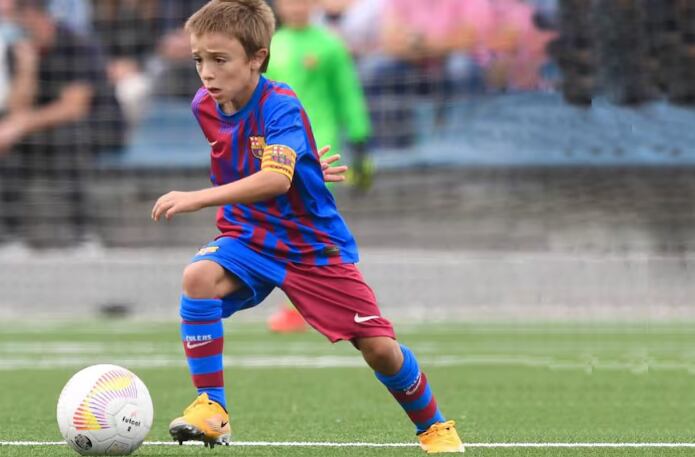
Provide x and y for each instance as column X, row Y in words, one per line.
column 295, row 13
column 223, row 66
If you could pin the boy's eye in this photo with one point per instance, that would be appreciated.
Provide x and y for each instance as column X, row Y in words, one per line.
column 220, row 61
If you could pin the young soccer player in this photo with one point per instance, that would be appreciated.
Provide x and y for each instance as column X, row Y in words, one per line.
column 279, row 227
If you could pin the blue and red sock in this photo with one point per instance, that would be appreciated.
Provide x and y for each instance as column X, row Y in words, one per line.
column 410, row 388
column 203, row 341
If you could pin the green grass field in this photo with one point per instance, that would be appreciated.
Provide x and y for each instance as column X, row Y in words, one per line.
column 617, row 383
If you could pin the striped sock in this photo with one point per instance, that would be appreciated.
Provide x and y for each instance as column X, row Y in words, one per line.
column 410, row 388
column 203, row 340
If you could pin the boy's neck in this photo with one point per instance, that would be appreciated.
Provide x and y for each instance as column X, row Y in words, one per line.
column 235, row 105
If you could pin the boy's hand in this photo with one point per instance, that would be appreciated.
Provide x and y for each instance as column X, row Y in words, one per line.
column 332, row 174
column 176, row 202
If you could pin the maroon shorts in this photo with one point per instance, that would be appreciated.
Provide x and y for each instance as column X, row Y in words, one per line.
column 335, row 300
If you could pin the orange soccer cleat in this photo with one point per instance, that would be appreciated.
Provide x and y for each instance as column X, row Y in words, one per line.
column 204, row 420
column 441, row 437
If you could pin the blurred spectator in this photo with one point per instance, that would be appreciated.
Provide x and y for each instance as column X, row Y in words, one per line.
column 355, row 22
column 318, row 67
column 516, row 47
column 10, row 33
column 76, row 14
column 437, row 38
column 546, row 15
column 173, row 69
column 427, row 48
column 127, row 29
column 61, row 111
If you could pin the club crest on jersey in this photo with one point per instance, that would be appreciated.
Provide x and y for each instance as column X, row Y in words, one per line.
column 257, row 146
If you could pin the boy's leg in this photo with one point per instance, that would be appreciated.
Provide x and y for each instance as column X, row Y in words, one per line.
column 397, row 368
column 242, row 278
column 337, row 302
column 201, row 327
column 202, row 335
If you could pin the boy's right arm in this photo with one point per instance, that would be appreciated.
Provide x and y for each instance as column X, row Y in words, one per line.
column 260, row 186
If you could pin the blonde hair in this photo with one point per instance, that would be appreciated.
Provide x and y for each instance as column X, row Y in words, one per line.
column 252, row 22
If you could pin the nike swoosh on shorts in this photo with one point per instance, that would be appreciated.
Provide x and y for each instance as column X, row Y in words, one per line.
column 359, row 319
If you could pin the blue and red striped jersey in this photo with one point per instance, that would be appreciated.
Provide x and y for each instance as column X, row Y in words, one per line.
column 301, row 226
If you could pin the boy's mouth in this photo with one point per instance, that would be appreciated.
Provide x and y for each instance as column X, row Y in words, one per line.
column 214, row 91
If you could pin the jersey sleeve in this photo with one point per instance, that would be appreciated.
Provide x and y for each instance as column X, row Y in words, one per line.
column 285, row 136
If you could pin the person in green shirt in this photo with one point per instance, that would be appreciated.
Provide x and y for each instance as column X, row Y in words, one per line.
column 318, row 67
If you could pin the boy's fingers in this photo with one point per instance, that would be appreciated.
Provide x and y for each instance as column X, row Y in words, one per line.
column 170, row 212
column 324, row 150
column 333, row 158
column 157, row 214
column 161, row 208
column 336, row 170
column 325, row 164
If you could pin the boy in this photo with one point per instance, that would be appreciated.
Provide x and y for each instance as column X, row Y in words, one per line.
column 279, row 228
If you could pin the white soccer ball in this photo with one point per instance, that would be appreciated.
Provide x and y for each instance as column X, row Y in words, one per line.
column 104, row 410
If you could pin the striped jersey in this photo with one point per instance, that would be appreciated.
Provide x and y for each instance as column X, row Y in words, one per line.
column 302, row 226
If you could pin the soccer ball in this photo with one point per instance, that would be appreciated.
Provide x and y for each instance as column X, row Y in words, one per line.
column 104, row 410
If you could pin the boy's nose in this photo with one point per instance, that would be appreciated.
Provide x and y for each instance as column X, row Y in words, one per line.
column 206, row 74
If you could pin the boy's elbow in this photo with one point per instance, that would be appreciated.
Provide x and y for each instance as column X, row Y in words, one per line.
column 280, row 184
column 284, row 185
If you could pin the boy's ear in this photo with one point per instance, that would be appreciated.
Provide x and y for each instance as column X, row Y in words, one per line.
column 259, row 58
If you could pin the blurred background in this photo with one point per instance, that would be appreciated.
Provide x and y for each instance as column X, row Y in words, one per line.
column 511, row 159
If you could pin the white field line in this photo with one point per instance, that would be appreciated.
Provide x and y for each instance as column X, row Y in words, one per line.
column 145, row 328
column 322, row 348
column 587, row 365
column 385, row 445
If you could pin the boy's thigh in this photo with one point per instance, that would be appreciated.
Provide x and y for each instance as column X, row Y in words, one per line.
column 257, row 275
column 336, row 301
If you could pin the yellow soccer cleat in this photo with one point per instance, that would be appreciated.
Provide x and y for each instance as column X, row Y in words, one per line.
column 204, row 420
column 441, row 437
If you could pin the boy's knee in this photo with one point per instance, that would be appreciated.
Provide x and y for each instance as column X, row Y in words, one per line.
column 381, row 353
column 199, row 281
